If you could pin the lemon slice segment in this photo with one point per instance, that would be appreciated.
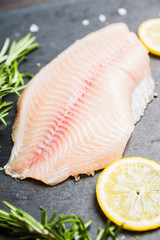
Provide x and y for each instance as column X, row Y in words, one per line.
column 149, row 34
column 128, row 192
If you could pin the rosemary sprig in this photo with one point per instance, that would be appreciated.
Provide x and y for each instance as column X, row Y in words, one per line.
column 11, row 80
column 69, row 227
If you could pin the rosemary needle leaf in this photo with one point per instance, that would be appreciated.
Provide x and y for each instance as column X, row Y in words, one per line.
column 118, row 230
column 4, row 49
column 68, row 227
column 26, row 75
column 4, row 113
column 87, row 224
column 100, row 234
column 2, row 120
column 2, row 59
column 50, row 222
column 43, row 216
column 11, row 80
column 4, row 104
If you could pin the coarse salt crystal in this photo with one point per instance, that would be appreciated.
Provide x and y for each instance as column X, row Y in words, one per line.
column 34, row 28
column 17, row 34
column 102, row 18
column 85, row 22
column 122, row 237
column 122, row 11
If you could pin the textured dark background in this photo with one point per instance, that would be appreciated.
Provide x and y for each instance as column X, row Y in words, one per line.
column 59, row 26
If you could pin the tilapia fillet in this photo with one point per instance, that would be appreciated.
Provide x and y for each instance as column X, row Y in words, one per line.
column 78, row 112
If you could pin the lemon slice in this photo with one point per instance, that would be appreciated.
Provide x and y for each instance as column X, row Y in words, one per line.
column 128, row 191
column 149, row 34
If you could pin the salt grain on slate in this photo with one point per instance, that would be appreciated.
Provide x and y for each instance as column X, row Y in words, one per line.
column 102, row 18
column 34, row 28
column 85, row 22
column 17, row 34
column 122, row 237
column 122, row 11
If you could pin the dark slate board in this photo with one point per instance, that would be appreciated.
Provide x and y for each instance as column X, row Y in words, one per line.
column 60, row 25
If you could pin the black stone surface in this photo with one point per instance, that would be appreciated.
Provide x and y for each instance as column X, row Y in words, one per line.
column 59, row 26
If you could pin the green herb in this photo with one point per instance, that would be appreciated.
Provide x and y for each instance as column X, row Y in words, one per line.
column 138, row 238
column 11, row 80
column 69, row 227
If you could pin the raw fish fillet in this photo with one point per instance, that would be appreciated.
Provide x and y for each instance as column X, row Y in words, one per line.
column 78, row 112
